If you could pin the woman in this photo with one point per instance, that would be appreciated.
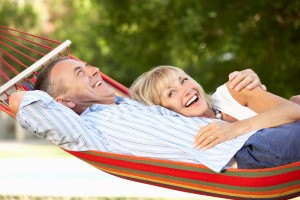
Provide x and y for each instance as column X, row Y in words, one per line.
column 248, row 110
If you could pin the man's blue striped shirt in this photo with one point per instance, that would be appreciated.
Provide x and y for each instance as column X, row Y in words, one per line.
column 128, row 127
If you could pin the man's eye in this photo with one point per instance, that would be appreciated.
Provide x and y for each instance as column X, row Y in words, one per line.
column 79, row 72
column 184, row 80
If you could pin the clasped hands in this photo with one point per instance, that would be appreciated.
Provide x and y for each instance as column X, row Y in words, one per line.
column 218, row 132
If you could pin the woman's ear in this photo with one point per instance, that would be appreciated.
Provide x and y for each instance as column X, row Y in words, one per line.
column 65, row 102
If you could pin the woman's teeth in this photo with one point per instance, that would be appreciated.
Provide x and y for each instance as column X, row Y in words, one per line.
column 193, row 99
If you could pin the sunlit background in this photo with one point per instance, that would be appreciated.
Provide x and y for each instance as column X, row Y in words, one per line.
column 125, row 38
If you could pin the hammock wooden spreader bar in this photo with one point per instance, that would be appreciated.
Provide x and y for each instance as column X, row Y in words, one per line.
column 34, row 67
column 272, row 183
column 21, row 81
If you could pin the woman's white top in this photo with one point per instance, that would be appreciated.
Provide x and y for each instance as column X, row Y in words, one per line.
column 224, row 102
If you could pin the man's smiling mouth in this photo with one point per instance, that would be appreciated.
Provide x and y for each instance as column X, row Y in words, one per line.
column 192, row 100
column 98, row 83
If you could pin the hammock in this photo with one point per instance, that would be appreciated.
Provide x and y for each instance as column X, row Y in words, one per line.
column 272, row 183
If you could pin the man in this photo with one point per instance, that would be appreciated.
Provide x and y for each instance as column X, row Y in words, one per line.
column 98, row 120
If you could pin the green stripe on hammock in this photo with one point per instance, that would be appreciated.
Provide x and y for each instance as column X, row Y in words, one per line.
column 278, row 182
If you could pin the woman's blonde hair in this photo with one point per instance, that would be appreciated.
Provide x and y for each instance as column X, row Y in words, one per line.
column 148, row 87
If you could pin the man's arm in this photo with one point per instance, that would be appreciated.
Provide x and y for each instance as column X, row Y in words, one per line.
column 272, row 111
column 15, row 101
column 49, row 120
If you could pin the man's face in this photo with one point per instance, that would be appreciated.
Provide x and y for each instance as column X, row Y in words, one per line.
column 84, row 83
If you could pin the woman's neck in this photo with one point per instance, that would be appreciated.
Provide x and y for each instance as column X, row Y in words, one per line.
column 209, row 113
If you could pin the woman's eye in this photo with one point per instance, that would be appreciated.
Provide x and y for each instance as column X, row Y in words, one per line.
column 171, row 93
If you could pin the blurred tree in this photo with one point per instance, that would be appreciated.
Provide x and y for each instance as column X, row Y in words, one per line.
column 19, row 14
column 208, row 39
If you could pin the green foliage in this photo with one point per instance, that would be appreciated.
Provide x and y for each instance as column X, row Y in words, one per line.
column 17, row 14
column 208, row 39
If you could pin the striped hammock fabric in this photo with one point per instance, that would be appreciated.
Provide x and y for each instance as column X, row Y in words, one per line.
column 273, row 183
column 23, row 55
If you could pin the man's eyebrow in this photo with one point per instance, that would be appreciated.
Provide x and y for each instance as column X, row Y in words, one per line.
column 76, row 69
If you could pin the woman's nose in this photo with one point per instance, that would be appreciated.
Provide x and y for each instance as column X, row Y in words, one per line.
column 187, row 92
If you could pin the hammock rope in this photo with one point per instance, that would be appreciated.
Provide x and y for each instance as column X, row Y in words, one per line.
column 19, row 66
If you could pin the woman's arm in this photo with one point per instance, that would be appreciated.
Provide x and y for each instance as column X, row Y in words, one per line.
column 272, row 111
column 245, row 79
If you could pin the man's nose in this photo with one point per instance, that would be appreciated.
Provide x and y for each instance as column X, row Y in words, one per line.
column 92, row 71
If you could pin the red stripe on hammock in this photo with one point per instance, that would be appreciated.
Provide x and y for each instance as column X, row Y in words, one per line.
column 235, row 193
column 200, row 176
column 178, row 188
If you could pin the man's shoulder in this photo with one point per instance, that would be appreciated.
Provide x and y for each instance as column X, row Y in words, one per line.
column 126, row 100
column 34, row 96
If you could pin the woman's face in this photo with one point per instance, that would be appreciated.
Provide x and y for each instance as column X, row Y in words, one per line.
column 185, row 96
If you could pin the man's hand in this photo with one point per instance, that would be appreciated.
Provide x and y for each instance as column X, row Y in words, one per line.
column 15, row 101
column 246, row 78
column 295, row 99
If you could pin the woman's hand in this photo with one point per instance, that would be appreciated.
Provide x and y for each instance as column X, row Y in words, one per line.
column 213, row 134
column 246, row 78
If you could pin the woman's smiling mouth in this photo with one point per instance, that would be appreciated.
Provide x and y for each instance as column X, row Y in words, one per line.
column 192, row 100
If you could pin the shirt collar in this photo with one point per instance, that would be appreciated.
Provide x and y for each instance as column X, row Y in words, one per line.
column 118, row 100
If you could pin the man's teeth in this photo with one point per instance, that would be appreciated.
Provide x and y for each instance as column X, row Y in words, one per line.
column 98, row 83
column 191, row 100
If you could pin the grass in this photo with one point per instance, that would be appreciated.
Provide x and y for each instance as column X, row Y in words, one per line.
column 31, row 150
column 40, row 149
column 37, row 149
column 12, row 197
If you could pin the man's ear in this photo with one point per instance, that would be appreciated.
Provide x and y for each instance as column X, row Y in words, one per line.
column 65, row 102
